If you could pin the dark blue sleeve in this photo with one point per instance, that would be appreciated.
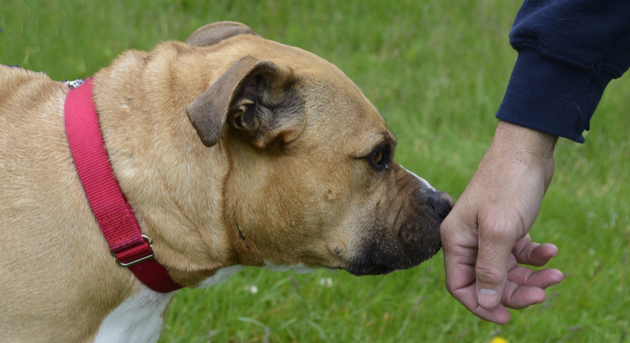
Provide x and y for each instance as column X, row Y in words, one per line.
column 568, row 52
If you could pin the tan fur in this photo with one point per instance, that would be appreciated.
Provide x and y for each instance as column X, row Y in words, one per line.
column 57, row 278
column 307, row 197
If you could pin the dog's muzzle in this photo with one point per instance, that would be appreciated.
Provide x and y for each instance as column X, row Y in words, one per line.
column 415, row 236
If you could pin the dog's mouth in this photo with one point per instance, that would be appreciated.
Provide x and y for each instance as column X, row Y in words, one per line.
column 382, row 257
column 373, row 265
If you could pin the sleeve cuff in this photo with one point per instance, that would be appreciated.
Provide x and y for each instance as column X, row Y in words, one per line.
column 551, row 97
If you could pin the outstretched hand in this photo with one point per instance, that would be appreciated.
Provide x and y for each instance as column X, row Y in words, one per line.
column 485, row 236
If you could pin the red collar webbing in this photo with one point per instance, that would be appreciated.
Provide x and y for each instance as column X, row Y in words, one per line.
column 113, row 213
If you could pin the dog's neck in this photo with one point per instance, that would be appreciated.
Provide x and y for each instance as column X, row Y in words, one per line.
column 116, row 219
column 170, row 206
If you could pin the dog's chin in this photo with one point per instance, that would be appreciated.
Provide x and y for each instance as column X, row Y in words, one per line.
column 362, row 270
column 378, row 262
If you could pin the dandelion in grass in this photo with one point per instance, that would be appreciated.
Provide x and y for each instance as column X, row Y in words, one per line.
column 326, row 282
column 251, row 289
column 498, row 339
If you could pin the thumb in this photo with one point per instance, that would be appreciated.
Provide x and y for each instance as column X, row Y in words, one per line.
column 495, row 247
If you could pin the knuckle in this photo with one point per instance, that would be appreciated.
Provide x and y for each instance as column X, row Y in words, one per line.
column 489, row 274
column 498, row 232
column 492, row 229
column 447, row 230
column 452, row 290
column 449, row 288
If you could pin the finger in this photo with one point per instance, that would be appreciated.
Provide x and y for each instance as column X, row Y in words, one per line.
column 531, row 253
column 459, row 266
column 518, row 297
column 541, row 278
column 522, row 243
column 495, row 247
column 467, row 297
column 499, row 314
column 460, row 253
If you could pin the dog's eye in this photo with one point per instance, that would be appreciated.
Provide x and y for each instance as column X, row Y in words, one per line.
column 379, row 157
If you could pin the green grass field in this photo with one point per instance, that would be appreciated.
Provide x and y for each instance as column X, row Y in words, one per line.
column 437, row 70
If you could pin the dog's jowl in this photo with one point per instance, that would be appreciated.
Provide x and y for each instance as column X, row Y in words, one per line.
column 227, row 150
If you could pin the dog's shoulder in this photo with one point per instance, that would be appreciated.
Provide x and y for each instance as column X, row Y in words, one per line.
column 16, row 81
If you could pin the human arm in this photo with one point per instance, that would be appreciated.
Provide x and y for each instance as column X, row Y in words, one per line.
column 569, row 50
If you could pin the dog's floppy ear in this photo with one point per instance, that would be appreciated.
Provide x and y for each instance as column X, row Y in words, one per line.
column 214, row 33
column 256, row 97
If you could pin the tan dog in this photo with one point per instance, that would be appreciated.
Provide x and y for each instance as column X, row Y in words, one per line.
column 232, row 150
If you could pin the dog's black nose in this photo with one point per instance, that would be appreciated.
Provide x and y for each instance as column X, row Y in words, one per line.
column 441, row 202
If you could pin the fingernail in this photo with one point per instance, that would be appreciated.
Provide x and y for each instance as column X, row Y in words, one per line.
column 488, row 298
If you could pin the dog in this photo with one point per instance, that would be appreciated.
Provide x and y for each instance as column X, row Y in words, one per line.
column 230, row 150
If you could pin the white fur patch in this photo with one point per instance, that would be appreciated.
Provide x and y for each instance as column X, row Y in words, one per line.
column 221, row 275
column 299, row 268
column 137, row 320
column 424, row 182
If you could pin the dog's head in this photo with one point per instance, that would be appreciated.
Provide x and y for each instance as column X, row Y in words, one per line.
column 312, row 178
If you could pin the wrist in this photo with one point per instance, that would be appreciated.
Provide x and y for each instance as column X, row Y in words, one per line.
column 523, row 142
column 518, row 145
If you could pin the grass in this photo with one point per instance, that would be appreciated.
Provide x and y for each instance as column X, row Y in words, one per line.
column 437, row 69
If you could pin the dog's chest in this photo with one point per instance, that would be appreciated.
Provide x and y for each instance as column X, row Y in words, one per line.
column 137, row 320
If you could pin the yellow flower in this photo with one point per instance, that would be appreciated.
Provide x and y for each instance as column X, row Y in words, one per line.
column 499, row 340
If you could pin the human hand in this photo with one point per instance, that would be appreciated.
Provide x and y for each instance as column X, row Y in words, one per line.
column 486, row 233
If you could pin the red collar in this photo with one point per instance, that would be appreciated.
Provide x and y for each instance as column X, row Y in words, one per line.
column 113, row 213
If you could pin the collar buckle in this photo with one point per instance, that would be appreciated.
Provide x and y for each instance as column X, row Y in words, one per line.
column 125, row 253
